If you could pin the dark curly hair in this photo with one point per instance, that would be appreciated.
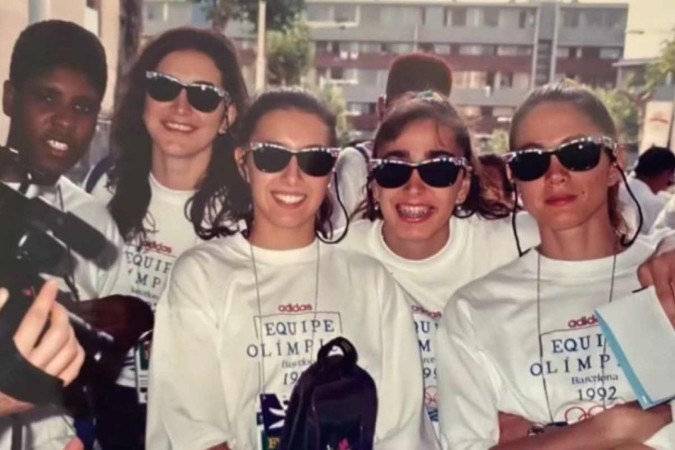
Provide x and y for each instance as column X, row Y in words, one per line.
column 132, row 144
column 445, row 116
column 238, row 202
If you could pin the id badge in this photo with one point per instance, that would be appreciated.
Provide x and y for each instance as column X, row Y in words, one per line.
column 142, row 366
column 270, row 421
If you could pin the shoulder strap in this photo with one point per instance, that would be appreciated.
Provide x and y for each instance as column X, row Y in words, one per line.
column 97, row 172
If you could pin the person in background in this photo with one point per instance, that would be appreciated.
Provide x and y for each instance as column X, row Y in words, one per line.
column 52, row 97
column 410, row 73
column 653, row 176
column 498, row 187
column 522, row 340
column 172, row 134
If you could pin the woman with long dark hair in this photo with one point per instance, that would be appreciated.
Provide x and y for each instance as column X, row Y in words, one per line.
column 430, row 222
column 244, row 315
column 172, row 140
column 524, row 340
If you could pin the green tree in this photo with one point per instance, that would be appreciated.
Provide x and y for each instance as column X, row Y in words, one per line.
column 662, row 70
column 281, row 14
column 623, row 107
column 289, row 55
column 335, row 99
column 498, row 142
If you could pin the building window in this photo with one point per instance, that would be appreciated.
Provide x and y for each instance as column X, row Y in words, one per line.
column 337, row 73
column 370, row 13
column 426, row 47
column 318, row 13
column 615, row 20
column 323, row 46
column 442, row 49
column 477, row 50
column 590, row 52
column 401, row 47
column 525, row 19
column 370, row 47
column 513, row 50
column 570, row 18
column 400, row 15
column 506, row 80
column 563, row 52
column 358, row 108
column 345, row 13
column 491, row 17
column 610, row 53
column 153, row 11
column 455, row 17
column 594, row 18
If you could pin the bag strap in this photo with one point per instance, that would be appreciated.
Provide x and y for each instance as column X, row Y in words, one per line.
column 97, row 172
column 349, row 354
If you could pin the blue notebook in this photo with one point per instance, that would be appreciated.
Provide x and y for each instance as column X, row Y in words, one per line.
column 643, row 340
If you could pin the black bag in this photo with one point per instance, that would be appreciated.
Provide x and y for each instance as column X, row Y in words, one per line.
column 333, row 405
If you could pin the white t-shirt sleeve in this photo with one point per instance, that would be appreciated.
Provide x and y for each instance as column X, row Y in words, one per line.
column 402, row 421
column 468, row 384
column 186, row 397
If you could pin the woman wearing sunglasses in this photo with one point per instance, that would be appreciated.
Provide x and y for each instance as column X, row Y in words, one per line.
column 173, row 146
column 430, row 224
column 245, row 315
column 524, row 339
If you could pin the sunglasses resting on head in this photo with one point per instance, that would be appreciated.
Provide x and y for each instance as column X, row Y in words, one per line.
column 578, row 155
column 313, row 161
column 203, row 97
column 436, row 172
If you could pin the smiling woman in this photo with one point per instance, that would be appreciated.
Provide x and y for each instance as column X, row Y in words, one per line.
column 172, row 134
column 245, row 315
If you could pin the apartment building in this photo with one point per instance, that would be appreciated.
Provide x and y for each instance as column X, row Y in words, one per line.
column 498, row 51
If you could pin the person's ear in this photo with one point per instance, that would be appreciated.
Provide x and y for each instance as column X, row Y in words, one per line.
column 228, row 120
column 8, row 98
column 464, row 189
column 617, row 167
column 241, row 163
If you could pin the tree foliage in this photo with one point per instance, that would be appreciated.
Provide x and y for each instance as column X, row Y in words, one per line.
column 289, row 55
column 624, row 110
column 662, row 70
column 335, row 99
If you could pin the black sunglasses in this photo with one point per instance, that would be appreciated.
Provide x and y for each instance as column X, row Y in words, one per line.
column 273, row 158
column 437, row 172
column 201, row 96
column 578, row 155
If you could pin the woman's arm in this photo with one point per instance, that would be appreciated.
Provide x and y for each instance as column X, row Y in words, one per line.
column 624, row 426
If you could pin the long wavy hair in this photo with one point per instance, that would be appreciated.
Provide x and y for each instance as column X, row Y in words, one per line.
column 445, row 116
column 132, row 145
column 238, row 201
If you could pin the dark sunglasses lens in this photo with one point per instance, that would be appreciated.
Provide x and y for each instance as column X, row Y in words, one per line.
column 204, row 100
column 270, row 159
column 530, row 166
column 439, row 173
column 392, row 175
column 162, row 89
column 579, row 157
column 316, row 163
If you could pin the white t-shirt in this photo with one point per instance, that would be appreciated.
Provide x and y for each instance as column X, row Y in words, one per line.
column 476, row 247
column 209, row 364
column 47, row 428
column 651, row 204
column 351, row 170
column 491, row 360
column 148, row 262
